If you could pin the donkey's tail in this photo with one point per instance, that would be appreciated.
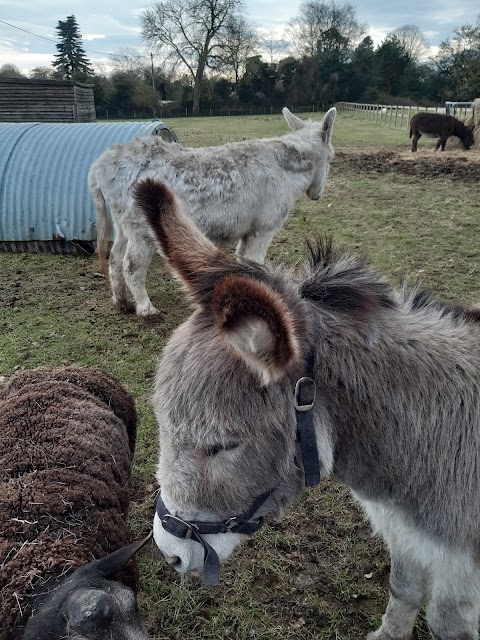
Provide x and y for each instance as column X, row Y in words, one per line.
column 104, row 228
column 411, row 132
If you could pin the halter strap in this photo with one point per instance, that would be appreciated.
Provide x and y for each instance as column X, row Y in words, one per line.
column 305, row 395
column 196, row 529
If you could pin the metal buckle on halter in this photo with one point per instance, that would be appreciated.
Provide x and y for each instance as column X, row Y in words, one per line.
column 305, row 394
column 176, row 519
column 231, row 522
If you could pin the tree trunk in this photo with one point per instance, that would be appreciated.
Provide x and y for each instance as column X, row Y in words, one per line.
column 197, row 87
column 196, row 96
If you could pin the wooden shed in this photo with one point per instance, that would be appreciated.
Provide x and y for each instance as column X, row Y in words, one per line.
column 23, row 100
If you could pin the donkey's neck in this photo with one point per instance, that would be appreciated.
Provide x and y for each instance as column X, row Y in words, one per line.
column 348, row 412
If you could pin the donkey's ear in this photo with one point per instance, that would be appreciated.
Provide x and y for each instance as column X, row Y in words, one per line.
column 327, row 124
column 188, row 252
column 257, row 324
column 293, row 121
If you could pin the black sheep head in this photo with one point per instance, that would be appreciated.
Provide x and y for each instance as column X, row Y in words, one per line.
column 89, row 605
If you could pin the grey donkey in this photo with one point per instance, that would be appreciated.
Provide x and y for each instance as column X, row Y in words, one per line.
column 239, row 192
column 396, row 416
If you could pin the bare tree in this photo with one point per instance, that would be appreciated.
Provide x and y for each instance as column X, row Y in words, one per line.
column 413, row 42
column 458, row 62
column 316, row 18
column 193, row 31
column 41, row 73
column 241, row 41
column 10, row 71
column 274, row 46
column 128, row 61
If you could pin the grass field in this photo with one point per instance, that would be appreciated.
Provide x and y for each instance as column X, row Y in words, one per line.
column 318, row 573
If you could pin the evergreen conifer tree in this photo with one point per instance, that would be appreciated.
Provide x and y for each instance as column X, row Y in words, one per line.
column 71, row 60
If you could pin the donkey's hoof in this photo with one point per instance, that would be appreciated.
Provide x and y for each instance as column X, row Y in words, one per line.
column 383, row 635
column 124, row 305
column 149, row 311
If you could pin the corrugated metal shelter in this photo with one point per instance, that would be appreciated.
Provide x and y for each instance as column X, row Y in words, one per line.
column 45, row 205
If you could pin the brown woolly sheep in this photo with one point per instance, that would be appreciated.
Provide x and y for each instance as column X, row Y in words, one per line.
column 67, row 438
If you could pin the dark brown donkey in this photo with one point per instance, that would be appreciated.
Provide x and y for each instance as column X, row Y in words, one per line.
column 441, row 126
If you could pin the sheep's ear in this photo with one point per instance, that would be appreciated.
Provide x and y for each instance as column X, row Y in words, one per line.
column 189, row 253
column 327, row 124
column 257, row 324
column 110, row 565
column 293, row 121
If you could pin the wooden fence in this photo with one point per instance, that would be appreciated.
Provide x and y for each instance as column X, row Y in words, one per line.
column 23, row 100
column 388, row 115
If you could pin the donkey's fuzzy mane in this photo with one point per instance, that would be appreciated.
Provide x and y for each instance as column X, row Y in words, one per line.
column 339, row 282
column 419, row 300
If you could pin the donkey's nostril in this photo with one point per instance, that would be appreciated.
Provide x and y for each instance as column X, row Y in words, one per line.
column 174, row 561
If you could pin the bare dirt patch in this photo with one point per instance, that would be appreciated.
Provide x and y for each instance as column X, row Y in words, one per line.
column 453, row 164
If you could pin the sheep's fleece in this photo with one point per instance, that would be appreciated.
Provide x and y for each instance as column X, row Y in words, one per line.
column 67, row 437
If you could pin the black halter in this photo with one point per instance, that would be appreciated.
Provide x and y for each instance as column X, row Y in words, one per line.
column 304, row 400
column 196, row 529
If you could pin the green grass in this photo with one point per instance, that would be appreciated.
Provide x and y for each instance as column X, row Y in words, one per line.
column 305, row 577
column 212, row 131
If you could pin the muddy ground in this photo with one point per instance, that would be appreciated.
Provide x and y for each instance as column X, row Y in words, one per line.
column 424, row 164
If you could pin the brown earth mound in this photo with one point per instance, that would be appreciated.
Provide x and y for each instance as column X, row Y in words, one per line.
column 454, row 165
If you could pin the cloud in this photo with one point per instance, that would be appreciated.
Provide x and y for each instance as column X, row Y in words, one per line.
column 93, row 36
column 378, row 34
column 113, row 24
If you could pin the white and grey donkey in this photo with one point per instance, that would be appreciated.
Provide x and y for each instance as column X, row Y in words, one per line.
column 238, row 192
column 397, row 414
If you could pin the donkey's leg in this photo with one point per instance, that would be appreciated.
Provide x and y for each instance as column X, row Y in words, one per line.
column 454, row 607
column 407, row 587
column 254, row 247
column 441, row 142
column 240, row 249
column 115, row 272
column 416, row 137
column 135, row 266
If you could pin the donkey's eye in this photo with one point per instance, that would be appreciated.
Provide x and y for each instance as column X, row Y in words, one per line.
column 213, row 449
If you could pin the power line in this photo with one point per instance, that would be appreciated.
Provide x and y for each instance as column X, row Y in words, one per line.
column 101, row 53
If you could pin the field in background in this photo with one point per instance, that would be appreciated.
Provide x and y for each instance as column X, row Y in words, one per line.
column 319, row 573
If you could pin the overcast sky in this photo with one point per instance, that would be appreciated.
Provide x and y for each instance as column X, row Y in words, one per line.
column 109, row 25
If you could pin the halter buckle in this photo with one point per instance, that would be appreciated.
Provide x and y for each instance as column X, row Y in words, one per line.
column 231, row 522
column 177, row 521
column 305, row 394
